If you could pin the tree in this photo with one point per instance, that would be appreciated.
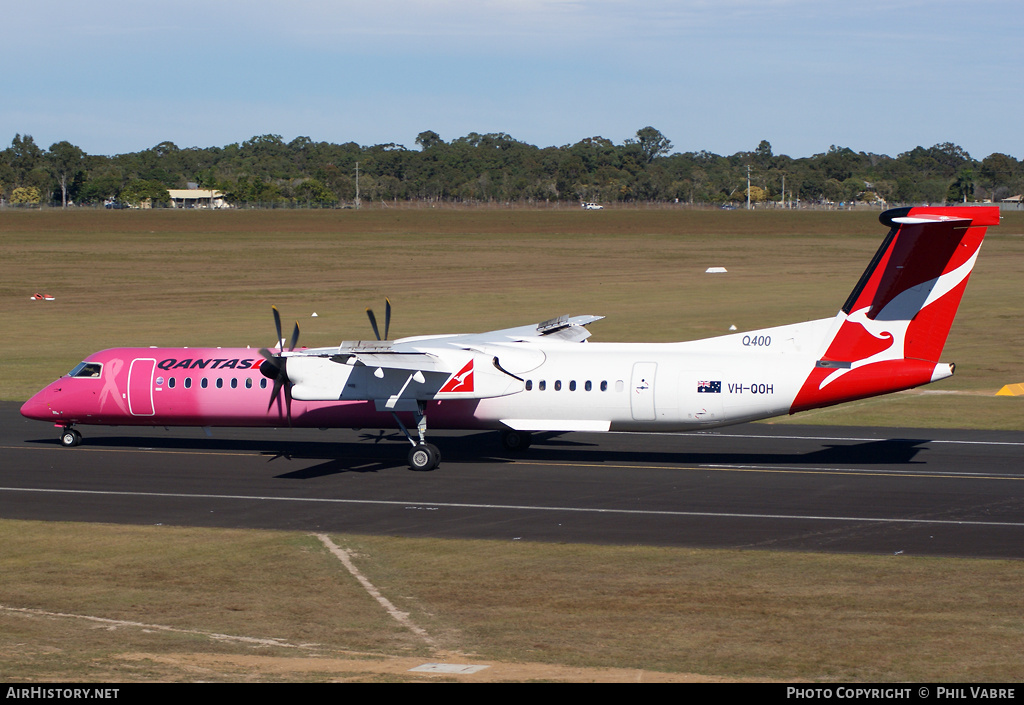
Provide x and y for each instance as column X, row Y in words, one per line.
column 25, row 195
column 313, row 191
column 997, row 170
column 763, row 154
column 66, row 163
column 428, row 139
column 757, row 194
column 962, row 188
column 138, row 192
column 25, row 155
column 652, row 143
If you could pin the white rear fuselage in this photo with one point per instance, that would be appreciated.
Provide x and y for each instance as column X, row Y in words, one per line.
column 670, row 386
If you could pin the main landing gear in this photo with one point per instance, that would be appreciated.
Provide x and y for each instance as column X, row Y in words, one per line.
column 423, row 456
column 516, row 440
column 69, row 437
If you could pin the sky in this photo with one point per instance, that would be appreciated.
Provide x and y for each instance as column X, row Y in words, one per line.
column 879, row 76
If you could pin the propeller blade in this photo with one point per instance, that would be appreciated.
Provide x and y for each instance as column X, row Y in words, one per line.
column 288, row 402
column 275, row 395
column 387, row 317
column 277, row 324
column 275, row 367
column 373, row 322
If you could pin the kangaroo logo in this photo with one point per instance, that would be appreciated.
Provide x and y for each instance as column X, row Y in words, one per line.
column 462, row 381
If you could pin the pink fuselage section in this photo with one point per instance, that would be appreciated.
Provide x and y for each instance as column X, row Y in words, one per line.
column 207, row 387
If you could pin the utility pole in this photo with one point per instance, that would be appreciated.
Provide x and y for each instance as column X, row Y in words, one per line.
column 748, row 187
column 357, row 185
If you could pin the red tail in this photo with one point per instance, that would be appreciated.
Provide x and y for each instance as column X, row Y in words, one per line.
column 892, row 329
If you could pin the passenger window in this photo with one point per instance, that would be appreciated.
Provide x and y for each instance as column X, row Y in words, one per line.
column 541, row 385
column 248, row 382
column 234, row 383
column 604, row 386
column 188, row 383
column 619, row 386
column 204, row 383
column 220, row 383
column 263, row 383
column 572, row 386
column 558, row 385
column 529, row 384
column 587, row 386
column 170, row 382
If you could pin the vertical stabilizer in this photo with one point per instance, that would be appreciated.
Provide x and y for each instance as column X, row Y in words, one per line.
column 891, row 331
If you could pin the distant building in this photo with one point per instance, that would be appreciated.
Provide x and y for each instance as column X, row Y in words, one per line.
column 1014, row 201
column 197, row 198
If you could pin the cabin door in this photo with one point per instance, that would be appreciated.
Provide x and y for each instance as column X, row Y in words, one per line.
column 641, row 391
column 140, row 387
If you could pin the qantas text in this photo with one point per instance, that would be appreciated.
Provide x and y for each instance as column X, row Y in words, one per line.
column 189, row 363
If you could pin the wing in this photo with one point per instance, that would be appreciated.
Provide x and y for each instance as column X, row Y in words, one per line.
column 463, row 366
column 569, row 329
column 420, row 352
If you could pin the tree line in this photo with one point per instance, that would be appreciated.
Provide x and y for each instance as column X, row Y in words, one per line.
column 495, row 167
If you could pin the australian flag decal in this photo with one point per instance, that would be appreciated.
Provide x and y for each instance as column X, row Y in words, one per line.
column 709, row 387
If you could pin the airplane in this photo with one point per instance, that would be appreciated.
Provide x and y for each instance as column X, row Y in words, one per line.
column 887, row 337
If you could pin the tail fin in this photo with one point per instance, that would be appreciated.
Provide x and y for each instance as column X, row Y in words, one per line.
column 891, row 331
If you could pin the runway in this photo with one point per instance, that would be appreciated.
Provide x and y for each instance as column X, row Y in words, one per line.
column 755, row 486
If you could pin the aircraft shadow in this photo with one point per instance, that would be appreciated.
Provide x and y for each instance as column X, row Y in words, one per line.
column 896, row 451
column 374, row 453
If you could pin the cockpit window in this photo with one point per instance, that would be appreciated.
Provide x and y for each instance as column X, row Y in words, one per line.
column 87, row 369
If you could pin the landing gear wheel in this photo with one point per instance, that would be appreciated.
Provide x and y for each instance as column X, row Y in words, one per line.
column 516, row 440
column 69, row 438
column 424, row 457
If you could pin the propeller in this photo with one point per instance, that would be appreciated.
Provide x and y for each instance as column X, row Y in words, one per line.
column 387, row 320
column 275, row 367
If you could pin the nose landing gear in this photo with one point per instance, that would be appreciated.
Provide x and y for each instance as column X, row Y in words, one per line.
column 69, row 437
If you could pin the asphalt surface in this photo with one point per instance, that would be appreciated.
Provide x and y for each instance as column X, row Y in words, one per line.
column 808, row 488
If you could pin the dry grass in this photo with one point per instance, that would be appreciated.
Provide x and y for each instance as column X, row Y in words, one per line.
column 209, row 278
column 758, row 615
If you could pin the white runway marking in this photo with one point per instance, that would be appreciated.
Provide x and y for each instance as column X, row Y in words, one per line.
column 399, row 616
column 417, row 504
column 117, row 623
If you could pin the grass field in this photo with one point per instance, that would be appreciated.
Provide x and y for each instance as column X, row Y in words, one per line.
column 209, row 278
column 166, row 592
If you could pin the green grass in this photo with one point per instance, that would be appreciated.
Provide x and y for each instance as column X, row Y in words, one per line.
column 209, row 278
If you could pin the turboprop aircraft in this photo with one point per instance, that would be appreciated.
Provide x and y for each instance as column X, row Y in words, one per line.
column 887, row 337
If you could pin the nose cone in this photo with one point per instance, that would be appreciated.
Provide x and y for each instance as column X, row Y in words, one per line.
column 38, row 407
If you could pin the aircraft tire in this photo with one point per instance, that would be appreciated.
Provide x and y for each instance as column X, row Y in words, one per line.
column 69, row 438
column 424, row 457
column 516, row 440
